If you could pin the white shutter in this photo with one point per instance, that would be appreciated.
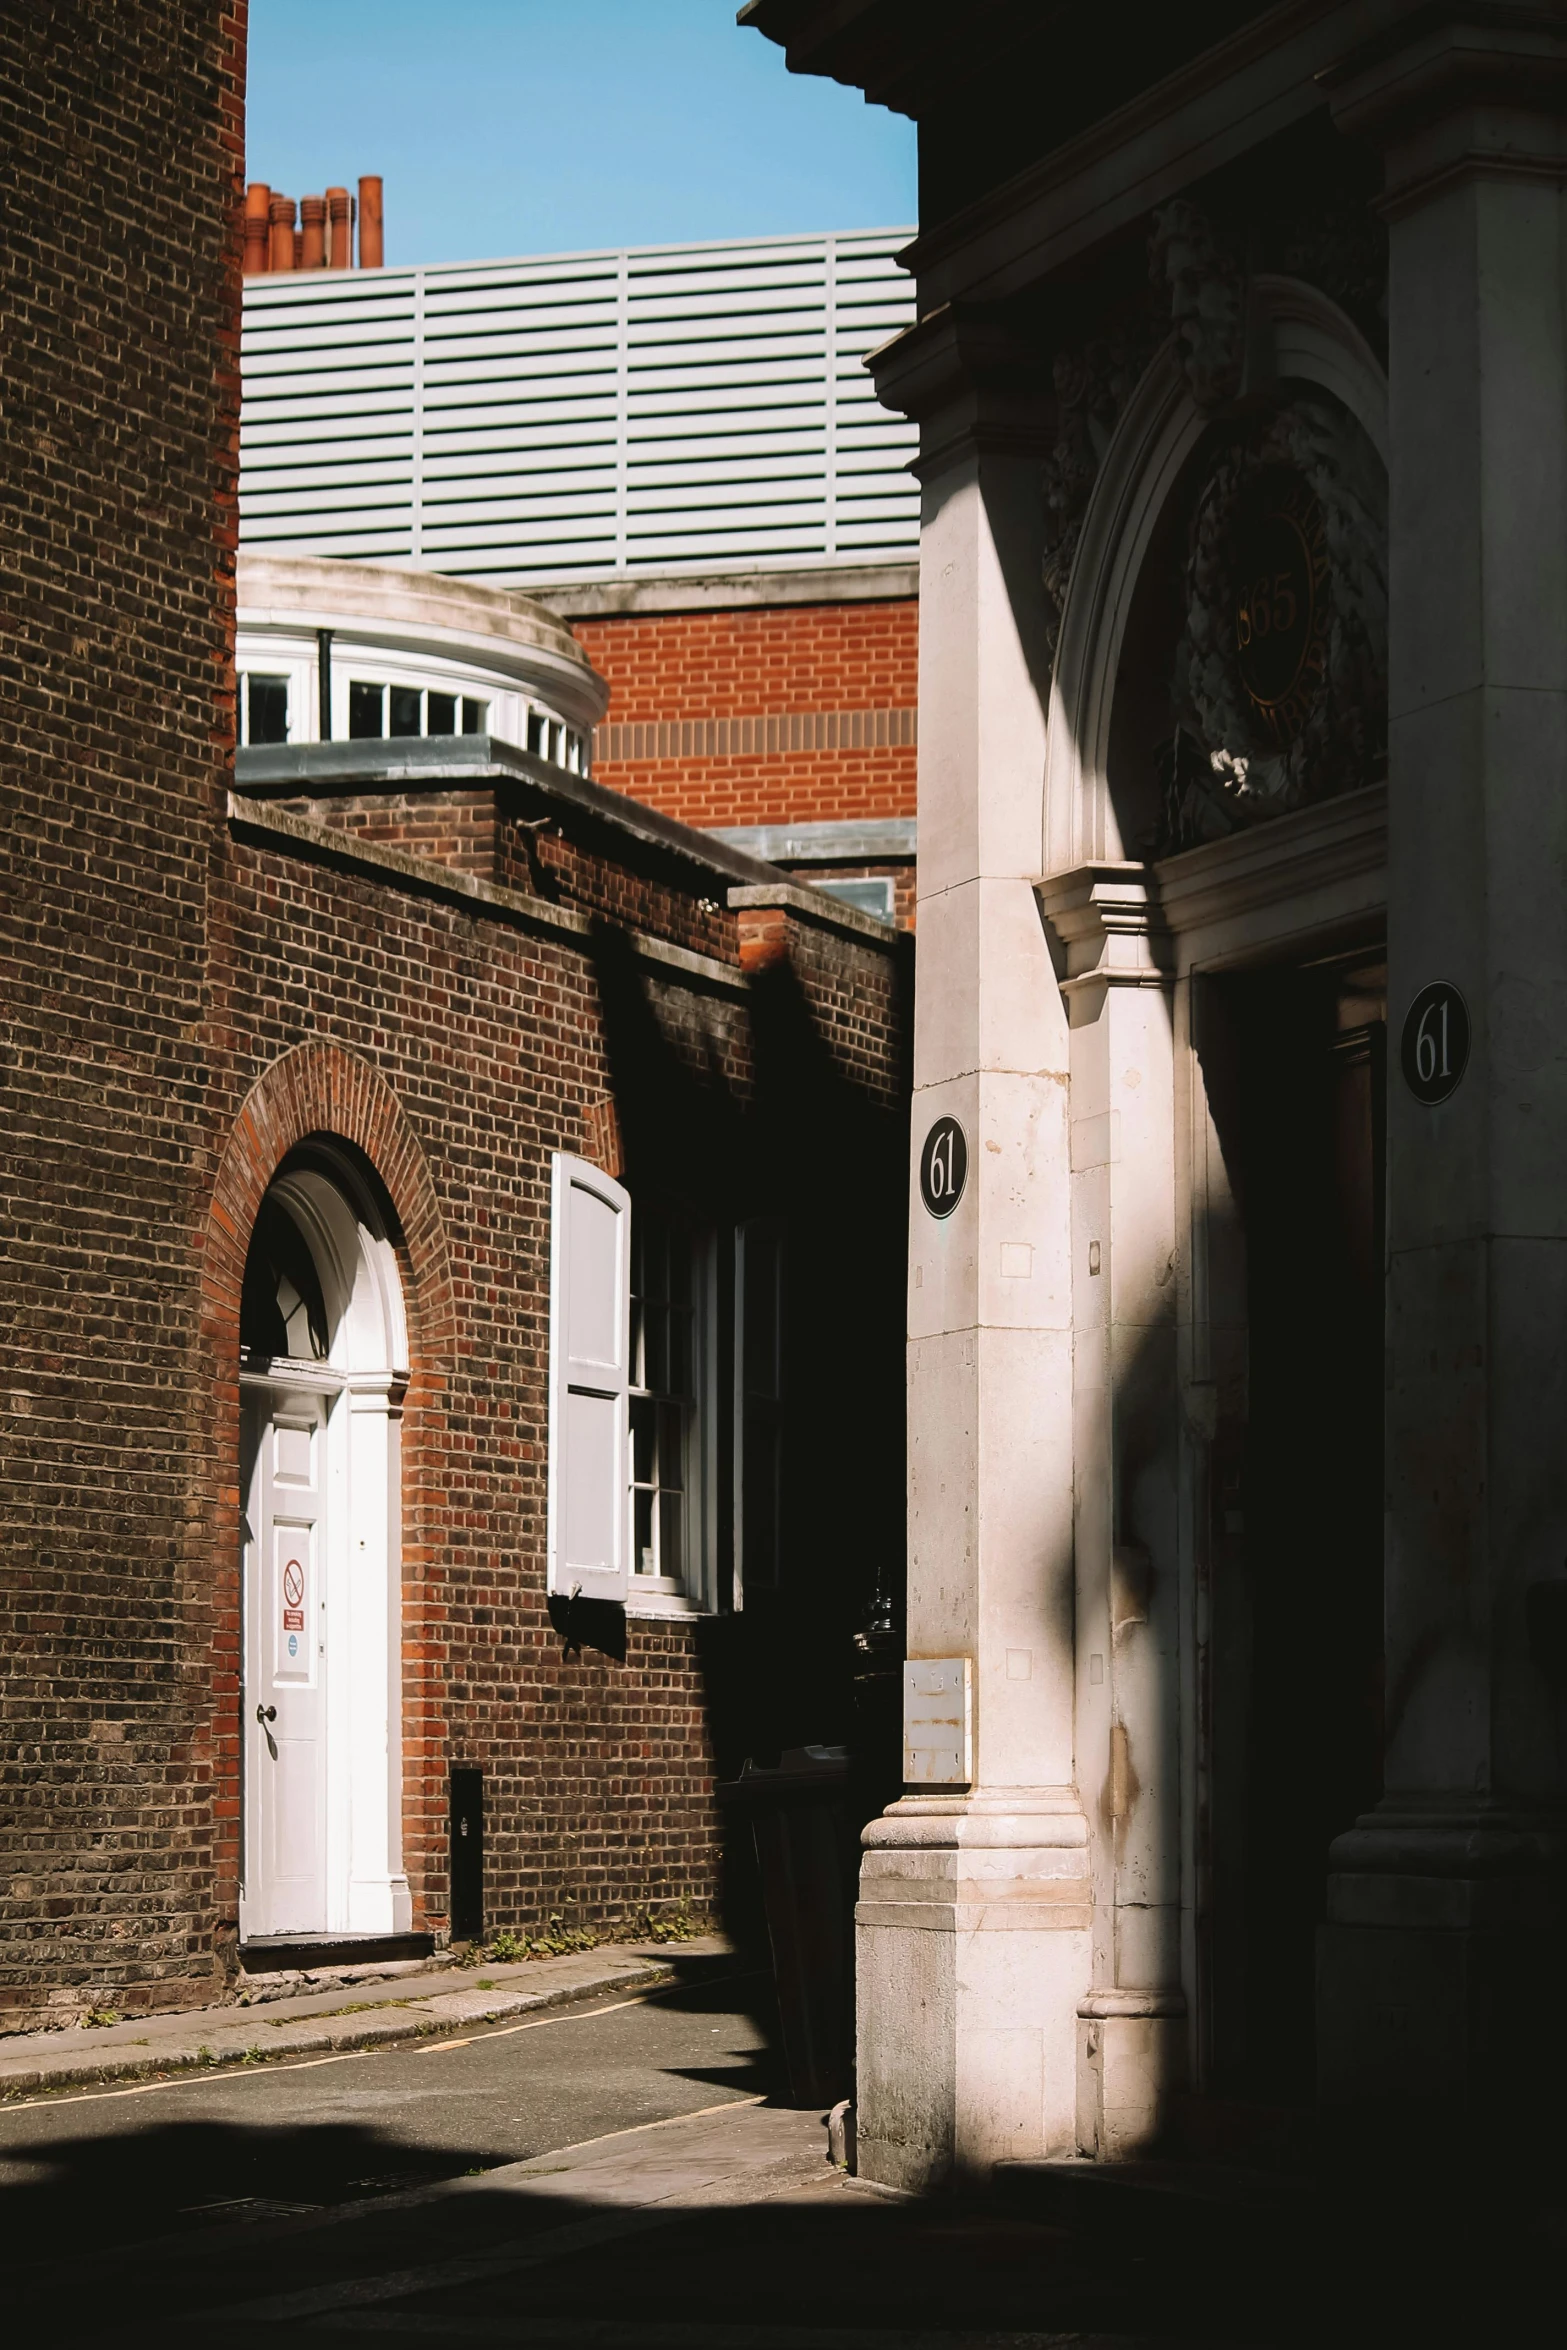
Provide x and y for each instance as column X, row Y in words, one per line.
column 590, row 1336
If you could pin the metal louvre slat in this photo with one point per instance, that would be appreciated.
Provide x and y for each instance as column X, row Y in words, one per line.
column 581, row 414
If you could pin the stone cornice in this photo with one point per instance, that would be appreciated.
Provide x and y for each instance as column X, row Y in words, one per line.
column 969, row 384
column 1270, row 863
column 1227, row 101
column 1460, row 92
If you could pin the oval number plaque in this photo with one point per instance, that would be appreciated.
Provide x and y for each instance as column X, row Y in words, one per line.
column 1434, row 1048
column 943, row 1167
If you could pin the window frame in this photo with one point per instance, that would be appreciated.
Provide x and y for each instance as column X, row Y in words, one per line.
column 387, row 686
column 694, row 1590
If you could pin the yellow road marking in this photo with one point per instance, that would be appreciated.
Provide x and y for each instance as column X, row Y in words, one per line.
column 192, row 2074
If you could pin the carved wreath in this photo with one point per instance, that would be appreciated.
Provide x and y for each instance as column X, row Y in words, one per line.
column 1313, row 465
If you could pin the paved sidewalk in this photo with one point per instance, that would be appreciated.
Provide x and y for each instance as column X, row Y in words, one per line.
column 577, row 2198
column 407, row 2006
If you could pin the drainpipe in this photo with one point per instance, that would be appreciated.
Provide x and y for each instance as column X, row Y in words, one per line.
column 323, row 685
column 340, row 229
column 312, row 211
column 282, row 211
column 371, row 247
column 258, row 212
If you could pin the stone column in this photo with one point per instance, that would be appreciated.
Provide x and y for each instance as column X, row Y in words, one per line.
column 1445, row 1921
column 974, row 1915
column 1131, row 2040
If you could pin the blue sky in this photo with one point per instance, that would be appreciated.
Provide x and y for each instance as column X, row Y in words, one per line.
column 535, row 126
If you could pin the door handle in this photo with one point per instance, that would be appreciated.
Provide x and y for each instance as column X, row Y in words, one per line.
column 266, row 1713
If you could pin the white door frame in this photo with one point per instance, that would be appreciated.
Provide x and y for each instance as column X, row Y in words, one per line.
column 360, row 1387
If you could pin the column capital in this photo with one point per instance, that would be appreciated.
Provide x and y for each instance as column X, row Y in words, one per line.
column 1458, row 93
column 1106, row 927
column 971, row 386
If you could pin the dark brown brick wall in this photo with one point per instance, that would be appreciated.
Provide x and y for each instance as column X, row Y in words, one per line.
column 120, row 166
column 494, row 1047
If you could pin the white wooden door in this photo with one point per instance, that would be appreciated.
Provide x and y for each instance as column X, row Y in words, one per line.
column 285, row 1650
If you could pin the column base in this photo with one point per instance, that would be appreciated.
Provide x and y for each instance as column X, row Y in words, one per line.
column 1131, row 2060
column 973, row 1948
column 1435, row 1920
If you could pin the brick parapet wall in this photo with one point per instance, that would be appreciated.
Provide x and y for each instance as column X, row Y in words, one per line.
column 772, row 714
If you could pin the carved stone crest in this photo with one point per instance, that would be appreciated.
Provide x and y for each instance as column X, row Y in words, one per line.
column 1280, row 680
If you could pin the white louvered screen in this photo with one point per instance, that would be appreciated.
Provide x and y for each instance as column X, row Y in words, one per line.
column 696, row 408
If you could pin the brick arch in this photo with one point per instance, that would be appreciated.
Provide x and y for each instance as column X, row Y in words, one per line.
column 321, row 1089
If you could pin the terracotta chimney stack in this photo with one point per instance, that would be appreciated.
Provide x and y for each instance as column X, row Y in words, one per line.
column 258, row 214
column 312, row 211
column 340, row 229
column 282, row 211
column 371, row 249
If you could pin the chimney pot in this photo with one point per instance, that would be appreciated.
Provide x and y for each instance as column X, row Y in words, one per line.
column 312, row 212
column 371, row 244
column 340, row 229
column 282, row 211
column 258, row 215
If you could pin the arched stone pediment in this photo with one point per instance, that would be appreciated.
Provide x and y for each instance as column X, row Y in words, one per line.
column 1295, row 335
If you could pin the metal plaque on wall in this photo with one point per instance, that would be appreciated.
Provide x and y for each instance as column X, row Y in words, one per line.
column 1434, row 1047
column 943, row 1167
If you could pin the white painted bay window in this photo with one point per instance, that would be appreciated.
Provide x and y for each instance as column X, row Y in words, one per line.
column 263, row 708
column 378, row 710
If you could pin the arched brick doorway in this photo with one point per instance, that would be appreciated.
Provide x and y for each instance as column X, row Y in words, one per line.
column 323, row 1141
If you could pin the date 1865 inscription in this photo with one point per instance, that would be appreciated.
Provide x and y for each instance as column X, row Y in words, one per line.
column 1281, row 601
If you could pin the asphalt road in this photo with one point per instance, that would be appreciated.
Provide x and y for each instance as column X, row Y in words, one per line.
column 623, row 2176
column 203, row 2187
column 326, row 2131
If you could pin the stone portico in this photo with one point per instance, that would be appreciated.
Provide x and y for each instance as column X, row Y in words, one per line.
column 1236, row 1376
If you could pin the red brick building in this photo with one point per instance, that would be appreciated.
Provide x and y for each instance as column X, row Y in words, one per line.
column 679, row 449
column 779, row 710
column 449, row 1268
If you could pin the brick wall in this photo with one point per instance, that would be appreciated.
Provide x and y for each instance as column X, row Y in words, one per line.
column 777, row 714
column 495, row 1044
column 185, row 997
column 120, row 166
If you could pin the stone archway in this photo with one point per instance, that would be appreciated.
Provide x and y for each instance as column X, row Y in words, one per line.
column 1306, row 339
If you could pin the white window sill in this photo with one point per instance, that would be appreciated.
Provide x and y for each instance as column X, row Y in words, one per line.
column 654, row 1604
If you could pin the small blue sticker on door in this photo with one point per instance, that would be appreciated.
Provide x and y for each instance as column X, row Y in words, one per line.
column 293, row 1644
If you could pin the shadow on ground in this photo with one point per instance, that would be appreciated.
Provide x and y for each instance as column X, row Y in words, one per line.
column 117, row 2221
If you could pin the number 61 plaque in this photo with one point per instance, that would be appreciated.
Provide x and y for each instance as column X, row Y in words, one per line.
column 1434, row 1047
